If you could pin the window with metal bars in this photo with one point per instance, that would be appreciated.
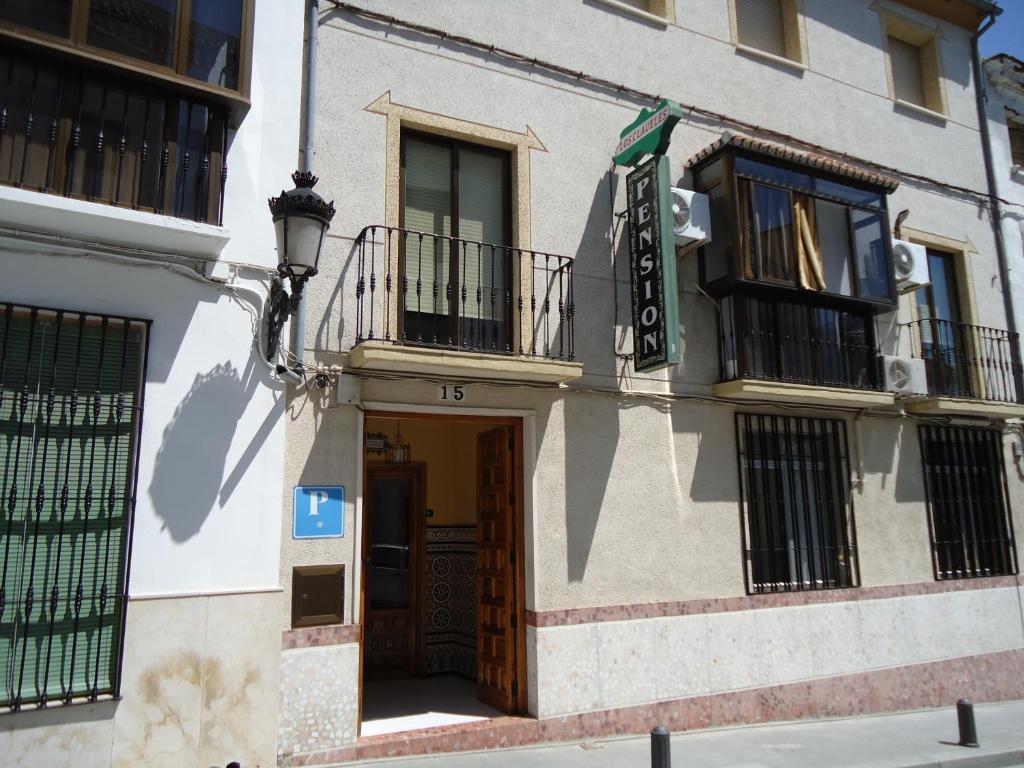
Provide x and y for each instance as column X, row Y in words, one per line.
column 968, row 513
column 797, row 513
column 71, row 392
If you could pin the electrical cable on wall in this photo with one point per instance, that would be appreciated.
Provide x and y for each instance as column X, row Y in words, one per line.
column 620, row 89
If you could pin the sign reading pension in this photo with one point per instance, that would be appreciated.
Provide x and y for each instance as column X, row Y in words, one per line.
column 652, row 266
column 649, row 134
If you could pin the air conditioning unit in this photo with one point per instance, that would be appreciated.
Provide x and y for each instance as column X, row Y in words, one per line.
column 691, row 218
column 910, row 263
column 904, row 376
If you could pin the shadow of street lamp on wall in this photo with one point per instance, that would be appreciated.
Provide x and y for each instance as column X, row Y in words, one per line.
column 301, row 220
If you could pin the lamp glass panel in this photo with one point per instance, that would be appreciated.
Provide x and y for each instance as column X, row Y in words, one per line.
column 303, row 242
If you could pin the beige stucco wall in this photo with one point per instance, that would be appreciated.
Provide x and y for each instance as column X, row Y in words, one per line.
column 199, row 687
column 635, row 499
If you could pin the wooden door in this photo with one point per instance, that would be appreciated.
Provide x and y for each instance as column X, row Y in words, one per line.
column 392, row 571
column 497, row 682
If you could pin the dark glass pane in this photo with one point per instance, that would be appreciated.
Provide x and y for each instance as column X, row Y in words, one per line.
column 52, row 16
column 214, row 41
column 716, row 252
column 747, row 167
column 849, row 193
column 142, row 29
column 870, row 254
column 389, row 544
column 772, row 218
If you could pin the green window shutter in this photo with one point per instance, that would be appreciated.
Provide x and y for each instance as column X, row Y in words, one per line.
column 70, row 409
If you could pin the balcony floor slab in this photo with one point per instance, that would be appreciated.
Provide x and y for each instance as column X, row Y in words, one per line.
column 957, row 406
column 802, row 394
column 456, row 363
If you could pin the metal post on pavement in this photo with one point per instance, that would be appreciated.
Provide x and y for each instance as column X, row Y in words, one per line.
column 965, row 719
column 661, row 756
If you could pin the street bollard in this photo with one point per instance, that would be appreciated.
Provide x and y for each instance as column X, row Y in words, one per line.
column 965, row 719
column 661, row 756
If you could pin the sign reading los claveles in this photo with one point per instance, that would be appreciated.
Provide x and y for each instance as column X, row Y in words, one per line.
column 652, row 266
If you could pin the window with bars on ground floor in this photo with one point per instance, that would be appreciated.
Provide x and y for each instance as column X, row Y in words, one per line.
column 968, row 513
column 797, row 512
column 71, row 387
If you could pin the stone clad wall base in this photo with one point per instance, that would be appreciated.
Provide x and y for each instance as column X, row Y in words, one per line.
column 983, row 678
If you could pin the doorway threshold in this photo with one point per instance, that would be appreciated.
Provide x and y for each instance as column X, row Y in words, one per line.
column 395, row 706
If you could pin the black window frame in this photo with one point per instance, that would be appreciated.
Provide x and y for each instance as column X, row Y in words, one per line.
column 957, row 495
column 92, row 399
column 765, row 511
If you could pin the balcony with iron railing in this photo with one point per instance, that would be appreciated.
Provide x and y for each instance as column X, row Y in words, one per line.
column 793, row 350
column 971, row 369
column 440, row 304
column 90, row 134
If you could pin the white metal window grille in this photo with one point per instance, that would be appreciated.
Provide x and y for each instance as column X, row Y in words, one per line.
column 71, row 391
column 797, row 514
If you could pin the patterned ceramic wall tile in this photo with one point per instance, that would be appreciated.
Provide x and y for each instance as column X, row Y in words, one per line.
column 450, row 600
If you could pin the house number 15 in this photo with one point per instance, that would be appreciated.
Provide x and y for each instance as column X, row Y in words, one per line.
column 452, row 392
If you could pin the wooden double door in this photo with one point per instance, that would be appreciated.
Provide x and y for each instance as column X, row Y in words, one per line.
column 394, row 570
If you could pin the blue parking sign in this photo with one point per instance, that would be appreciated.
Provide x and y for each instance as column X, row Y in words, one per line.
column 319, row 512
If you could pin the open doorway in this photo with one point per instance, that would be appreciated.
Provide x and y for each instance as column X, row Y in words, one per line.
column 442, row 596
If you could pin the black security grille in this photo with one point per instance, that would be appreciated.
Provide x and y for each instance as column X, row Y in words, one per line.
column 71, row 389
column 970, row 527
column 798, row 522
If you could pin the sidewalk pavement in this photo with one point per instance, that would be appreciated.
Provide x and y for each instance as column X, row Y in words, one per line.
column 909, row 740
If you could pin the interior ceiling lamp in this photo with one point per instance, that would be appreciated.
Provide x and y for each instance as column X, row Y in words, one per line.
column 398, row 450
column 301, row 219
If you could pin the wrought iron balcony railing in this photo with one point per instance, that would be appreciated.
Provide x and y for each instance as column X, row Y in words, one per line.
column 418, row 288
column 968, row 361
column 84, row 133
column 791, row 341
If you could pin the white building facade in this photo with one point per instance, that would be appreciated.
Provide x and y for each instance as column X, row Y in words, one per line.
column 142, row 437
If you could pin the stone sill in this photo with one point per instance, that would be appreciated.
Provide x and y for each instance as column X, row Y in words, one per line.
column 955, row 406
column 795, row 64
column 84, row 221
column 638, row 12
column 802, row 394
column 372, row 356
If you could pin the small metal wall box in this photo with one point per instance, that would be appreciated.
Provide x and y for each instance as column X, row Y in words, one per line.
column 349, row 390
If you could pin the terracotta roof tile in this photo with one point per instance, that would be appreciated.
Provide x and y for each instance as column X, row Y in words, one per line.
column 809, row 159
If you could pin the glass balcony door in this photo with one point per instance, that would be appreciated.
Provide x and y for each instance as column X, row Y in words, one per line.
column 456, row 282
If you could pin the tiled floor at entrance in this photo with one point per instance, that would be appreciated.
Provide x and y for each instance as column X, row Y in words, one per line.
column 402, row 705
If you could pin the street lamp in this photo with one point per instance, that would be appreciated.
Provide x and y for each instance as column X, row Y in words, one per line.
column 301, row 219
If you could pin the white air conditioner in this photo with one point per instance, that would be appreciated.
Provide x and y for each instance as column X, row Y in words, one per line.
column 904, row 376
column 691, row 218
column 910, row 263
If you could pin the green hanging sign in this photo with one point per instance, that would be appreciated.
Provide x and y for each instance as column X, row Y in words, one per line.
column 652, row 266
column 649, row 134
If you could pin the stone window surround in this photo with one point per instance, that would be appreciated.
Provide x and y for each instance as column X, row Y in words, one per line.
column 927, row 38
column 796, row 36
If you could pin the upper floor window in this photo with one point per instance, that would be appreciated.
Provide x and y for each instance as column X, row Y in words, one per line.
column 202, row 41
column 1016, row 131
column 790, row 226
column 768, row 26
column 912, row 59
column 457, row 275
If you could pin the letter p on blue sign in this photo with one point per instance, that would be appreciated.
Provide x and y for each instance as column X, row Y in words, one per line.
column 319, row 512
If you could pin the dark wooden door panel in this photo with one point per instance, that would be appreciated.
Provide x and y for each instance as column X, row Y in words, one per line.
column 496, row 663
